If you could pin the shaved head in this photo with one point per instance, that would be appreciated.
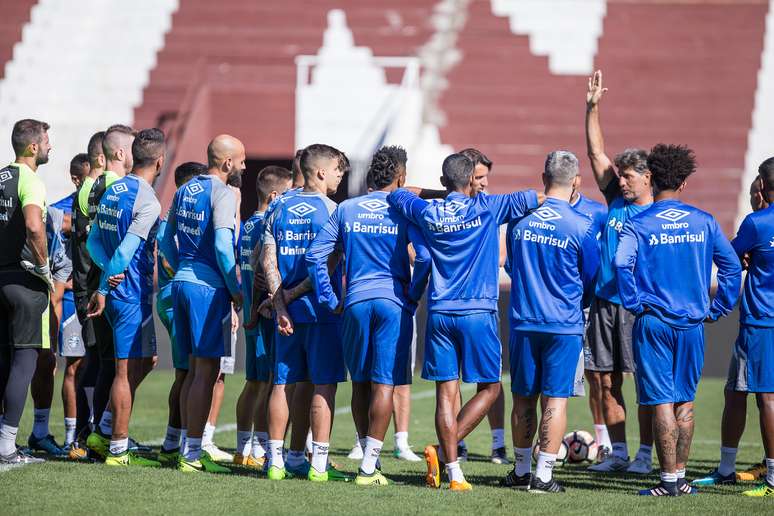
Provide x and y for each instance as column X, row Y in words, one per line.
column 226, row 155
column 117, row 145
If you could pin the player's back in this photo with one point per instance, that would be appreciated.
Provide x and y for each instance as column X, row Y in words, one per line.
column 375, row 243
column 596, row 211
column 248, row 238
column 756, row 236
column 292, row 226
column 554, row 259
column 129, row 205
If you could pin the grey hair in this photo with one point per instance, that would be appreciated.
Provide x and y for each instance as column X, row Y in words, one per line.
column 635, row 159
column 457, row 169
column 561, row 168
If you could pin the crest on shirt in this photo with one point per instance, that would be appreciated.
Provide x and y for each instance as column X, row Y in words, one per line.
column 249, row 226
column 119, row 188
column 673, row 214
column 302, row 209
column 194, row 189
column 547, row 213
column 5, row 175
column 452, row 207
column 373, row 205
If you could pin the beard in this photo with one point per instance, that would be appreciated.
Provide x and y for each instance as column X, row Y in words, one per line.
column 235, row 180
column 42, row 159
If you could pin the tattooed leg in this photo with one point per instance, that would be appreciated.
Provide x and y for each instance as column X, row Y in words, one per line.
column 523, row 420
column 553, row 424
column 666, row 435
column 685, row 422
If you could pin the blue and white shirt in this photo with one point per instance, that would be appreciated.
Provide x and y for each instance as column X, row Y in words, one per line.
column 664, row 265
column 756, row 237
column 251, row 234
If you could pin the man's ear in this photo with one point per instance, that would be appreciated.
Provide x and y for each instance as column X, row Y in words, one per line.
column 682, row 186
column 273, row 195
column 443, row 182
column 160, row 163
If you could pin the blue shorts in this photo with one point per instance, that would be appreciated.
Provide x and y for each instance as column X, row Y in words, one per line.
column 202, row 319
column 668, row 359
column 258, row 356
column 313, row 353
column 134, row 334
column 165, row 308
column 544, row 363
column 752, row 361
column 467, row 342
column 376, row 335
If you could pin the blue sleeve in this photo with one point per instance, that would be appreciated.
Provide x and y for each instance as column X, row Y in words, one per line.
column 120, row 260
column 409, row 204
column 317, row 261
column 508, row 207
column 625, row 260
column 167, row 246
column 746, row 237
column 224, row 254
column 94, row 246
column 589, row 263
column 729, row 275
column 422, row 264
column 508, row 251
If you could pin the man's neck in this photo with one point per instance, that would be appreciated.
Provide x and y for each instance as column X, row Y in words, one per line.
column 117, row 167
column 667, row 195
column 29, row 161
column 563, row 194
column 315, row 187
column 214, row 172
column 467, row 191
column 146, row 174
column 644, row 200
column 94, row 173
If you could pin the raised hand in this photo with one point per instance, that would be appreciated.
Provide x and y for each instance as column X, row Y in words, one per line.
column 595, row 91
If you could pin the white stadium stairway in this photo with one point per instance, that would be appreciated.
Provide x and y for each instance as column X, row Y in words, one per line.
column 80, row 70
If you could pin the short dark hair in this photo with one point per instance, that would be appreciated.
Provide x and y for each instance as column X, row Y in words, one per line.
column 25, row 132
column 670, row 166
column 148, row 146
column 766, row 171
column 477, row 157
column 457, row 170
column 94, row 148
column 270, row 179
column 108, row 140
column 188, row 170
column 316, row 151
column 385, row 165
column 79, row 165
column 635, row 159
column 297, row 165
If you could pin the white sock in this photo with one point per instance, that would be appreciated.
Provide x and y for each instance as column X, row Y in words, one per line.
column 668, row 478
column 680, row 473
column 727, row 461
column 69, row 423
column 244, row 443
column 401, row 440
column 296, row 458
column 260, row 446
column 309, row 447
column 106, row 423
column 275, row 453
column 40, row 426
column 645, row 453
column 371, row 451
column 545, row 466
column 498, row 438
column 522, row 463
column 770, row 471
column 209, row 432
column 601, row 436
column 8, row 439
column 119, row 446
column 320, row 456
column 620, row 450
column 172, row 439
column 193, row 448
column 454, row 471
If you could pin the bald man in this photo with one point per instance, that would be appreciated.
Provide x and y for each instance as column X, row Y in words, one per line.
column 205, row 285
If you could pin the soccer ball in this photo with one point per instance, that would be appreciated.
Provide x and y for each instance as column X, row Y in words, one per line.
column 579, row 446
column 561, row 456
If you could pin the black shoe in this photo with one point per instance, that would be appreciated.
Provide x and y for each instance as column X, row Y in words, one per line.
column 537, row 486
column 462, row 453
column 134, row 446
column 515, row 481
column 684, row 488
column 662, row 489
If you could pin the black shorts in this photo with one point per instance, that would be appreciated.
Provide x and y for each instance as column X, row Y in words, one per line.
column 87, row 325
column 24, row 301
column 103, row 334
column 608, row 343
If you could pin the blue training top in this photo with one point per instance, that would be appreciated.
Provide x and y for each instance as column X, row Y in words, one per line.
column 756, row 237
column 664, row 264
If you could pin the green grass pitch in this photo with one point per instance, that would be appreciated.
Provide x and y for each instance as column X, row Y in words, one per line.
column 60, row 487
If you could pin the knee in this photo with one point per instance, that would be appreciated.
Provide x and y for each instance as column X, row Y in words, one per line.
column 765, row 402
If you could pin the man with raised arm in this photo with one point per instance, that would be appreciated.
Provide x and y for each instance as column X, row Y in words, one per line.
column 626, row 185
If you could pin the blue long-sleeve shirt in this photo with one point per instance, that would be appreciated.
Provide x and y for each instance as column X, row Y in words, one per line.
column 555, row 256
column 664, row 265
column 756, row 237
column 374, row 238
column 462, row 235
column 251, row 233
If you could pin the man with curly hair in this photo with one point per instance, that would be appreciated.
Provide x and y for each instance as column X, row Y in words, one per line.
column 380, row 300
column 664, row 271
